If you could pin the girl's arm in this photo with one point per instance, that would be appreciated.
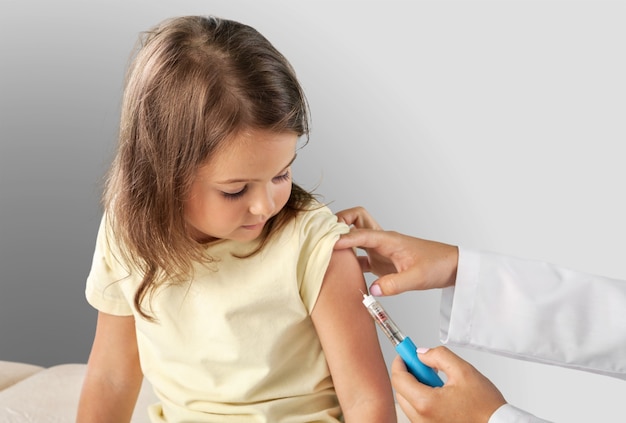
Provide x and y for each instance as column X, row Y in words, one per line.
column 114, row 376
column 348, row 336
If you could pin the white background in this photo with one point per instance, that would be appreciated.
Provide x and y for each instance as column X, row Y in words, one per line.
column 497, row 125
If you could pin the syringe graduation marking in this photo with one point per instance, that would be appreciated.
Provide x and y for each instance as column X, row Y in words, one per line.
column 383, row 320
column 404, row 345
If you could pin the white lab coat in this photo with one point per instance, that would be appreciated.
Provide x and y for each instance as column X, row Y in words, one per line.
column 546, row 314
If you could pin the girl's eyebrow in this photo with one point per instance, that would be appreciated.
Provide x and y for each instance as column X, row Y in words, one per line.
column 233, row 181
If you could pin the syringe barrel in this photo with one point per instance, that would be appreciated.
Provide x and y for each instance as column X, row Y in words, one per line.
column 404, row 345
column 389, row 328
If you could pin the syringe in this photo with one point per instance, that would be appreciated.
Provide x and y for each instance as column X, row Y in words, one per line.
column 404, row 346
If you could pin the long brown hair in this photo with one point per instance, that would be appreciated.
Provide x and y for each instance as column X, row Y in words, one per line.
column 193, row 83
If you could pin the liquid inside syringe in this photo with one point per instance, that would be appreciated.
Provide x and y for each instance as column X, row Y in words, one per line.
column 403, row 344
column 383, row 320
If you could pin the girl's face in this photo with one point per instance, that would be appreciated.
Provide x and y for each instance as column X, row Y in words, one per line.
column 241, row 187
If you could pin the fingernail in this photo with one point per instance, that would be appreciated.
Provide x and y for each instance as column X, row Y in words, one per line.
column 421, row 350
column 376, row 291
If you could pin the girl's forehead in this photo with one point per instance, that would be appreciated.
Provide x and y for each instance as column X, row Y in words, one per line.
column 251, row 153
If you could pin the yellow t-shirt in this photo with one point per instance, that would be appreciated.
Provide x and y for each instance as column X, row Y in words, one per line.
column 235, row 344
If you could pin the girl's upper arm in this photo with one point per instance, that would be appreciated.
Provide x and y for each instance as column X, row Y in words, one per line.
column 114, row 347
column 114, row 376
column 348, row 336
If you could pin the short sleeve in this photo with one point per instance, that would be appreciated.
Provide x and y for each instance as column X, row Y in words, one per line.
column 105, row 288
column 319, row 231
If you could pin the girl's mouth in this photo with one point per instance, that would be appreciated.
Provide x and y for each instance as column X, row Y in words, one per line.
column 255, row 226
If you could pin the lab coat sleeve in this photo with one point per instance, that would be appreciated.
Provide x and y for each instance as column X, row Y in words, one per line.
column 536, row 311
column 510, row 414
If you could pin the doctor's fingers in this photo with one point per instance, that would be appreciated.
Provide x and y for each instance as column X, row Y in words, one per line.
column 457, row 370
column 408, row 408
column 467, row 392
column 416, row 399
column 374, row 239
column 359, row 218
column 442, row 359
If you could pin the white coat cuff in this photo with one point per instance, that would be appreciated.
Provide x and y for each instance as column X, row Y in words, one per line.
column 454, row 325
column 510, row 414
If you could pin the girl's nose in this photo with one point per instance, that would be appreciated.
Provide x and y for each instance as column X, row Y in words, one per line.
column 263, row 203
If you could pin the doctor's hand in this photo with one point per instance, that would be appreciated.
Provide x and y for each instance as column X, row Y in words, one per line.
column 401, row 262
column 466, row 396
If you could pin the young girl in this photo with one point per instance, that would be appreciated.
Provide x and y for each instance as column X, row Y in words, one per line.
column 213, row 274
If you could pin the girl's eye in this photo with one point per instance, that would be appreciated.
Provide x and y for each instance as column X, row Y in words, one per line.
column 284, row 177
column 235, row 195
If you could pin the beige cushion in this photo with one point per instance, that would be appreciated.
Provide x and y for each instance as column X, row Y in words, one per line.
column 12, row 372
column 34, row 394
column 51, row 396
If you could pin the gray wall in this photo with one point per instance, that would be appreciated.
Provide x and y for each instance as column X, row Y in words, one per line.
column 495, row 125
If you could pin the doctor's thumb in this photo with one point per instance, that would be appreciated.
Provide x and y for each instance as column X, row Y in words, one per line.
column 441, row 359
column 390, row 284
